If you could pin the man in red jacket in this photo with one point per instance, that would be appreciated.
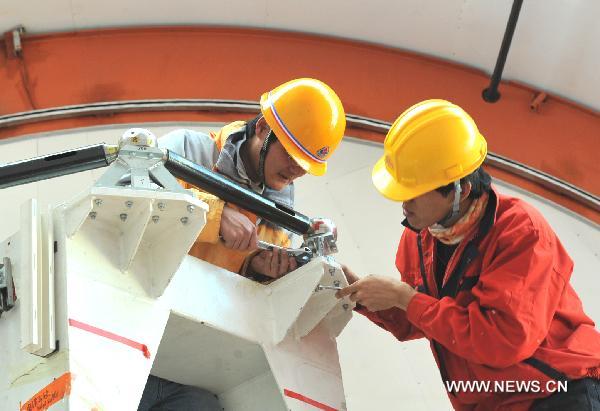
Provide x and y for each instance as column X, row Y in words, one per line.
column 483, row 276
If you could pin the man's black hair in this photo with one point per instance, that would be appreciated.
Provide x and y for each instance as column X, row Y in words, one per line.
column 480, row 180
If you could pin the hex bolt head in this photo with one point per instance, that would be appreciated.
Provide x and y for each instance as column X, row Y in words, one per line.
column 98, row 201
column 93, row 215
column 155, row 219
column 190, row 208
column 184, row 220
column 123, row 216
column 128, row 204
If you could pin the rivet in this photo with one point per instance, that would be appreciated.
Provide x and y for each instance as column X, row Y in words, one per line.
column 161, row 206
column 93, row 215
column 128, row 204
column 190, row 208
column 155, row 219
column 184, row 220
column 345, row 306
column 98, row 201
column 123, row 216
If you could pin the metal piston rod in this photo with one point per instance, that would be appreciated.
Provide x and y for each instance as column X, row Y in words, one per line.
column 101, row 155
column 56, row 165
column 139, row 163
column 228, row 191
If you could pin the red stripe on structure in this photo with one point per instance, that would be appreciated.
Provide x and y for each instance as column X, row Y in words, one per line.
column 307, row 400
column 111, row 336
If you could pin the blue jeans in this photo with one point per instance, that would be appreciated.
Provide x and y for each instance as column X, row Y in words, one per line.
column 164, row 395
column 581, row 395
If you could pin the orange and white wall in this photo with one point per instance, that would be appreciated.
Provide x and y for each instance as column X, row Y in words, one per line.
column 376, row 81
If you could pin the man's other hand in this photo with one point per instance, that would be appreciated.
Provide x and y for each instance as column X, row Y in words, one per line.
column 378, row 293
column 273, row 263
column 237, row 231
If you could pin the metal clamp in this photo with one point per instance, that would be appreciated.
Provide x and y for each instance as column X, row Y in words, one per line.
column 321, row 239
column 7, row 296
column 302, row 255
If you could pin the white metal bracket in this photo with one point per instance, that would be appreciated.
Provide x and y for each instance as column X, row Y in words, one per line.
column 301, row 306
column 153, row 230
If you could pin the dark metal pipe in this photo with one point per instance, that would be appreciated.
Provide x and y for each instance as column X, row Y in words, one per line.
column 230, row 192
column 54, row 165
column 491, row 94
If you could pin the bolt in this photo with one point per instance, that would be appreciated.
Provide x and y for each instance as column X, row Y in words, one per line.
column 336, row 283
column 98, row 201
column 123, row 216
column 128, row 204
column 184, row 220
column 155, row 219
column 190, row 208
column 161, row 206
column 345, row 306
column 93, row 215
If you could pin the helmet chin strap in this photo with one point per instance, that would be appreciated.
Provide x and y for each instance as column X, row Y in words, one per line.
column 270, row 139
column 455, row 204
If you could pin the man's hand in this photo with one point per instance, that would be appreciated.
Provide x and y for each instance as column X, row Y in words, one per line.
column 378, row 293
column 237, row 231
column 273, row 263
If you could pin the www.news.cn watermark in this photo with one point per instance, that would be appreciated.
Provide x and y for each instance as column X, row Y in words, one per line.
column 508, row 386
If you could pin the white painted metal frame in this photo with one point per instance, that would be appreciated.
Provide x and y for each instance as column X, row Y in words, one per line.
column 126, row 305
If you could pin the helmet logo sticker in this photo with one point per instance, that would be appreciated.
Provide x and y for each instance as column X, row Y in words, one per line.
column 322, row 152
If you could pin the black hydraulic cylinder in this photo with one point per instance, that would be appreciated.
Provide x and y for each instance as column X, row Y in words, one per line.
column 491, row 94
column 230, row 192
column 53, row 165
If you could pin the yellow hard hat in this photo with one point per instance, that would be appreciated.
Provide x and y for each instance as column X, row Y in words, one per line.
column 308, row 119
column 430, row 145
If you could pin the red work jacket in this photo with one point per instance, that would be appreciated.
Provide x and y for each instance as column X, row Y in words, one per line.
column 506, row 311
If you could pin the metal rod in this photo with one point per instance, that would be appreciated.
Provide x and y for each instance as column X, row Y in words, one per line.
column 328, row 287
column 491, row 94
column 545, row 180
column 55, row 165
column 136, row 106
column 230, row 192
